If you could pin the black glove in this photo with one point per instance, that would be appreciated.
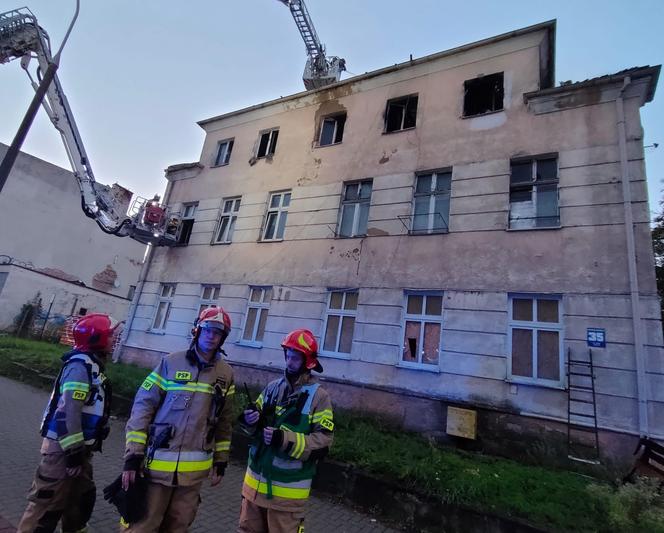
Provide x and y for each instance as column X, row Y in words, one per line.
column 132, row 503
column 220, row 468
column 133, row 463
column 74, row 459
column 277, row 438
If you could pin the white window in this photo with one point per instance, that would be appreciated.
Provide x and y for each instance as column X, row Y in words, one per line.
column 229, row 211
column 332, row 129
column 535, row 338
column 340, row 322
column 431, row 202
column 209, row 297
column 401, row 113
column 166, row 294
column 355, row 209
column 187, row 223
column 534, row 193
column 277, row 213
column 267, row 143
column 257, row 310
column 224, row 149
column 423, row 327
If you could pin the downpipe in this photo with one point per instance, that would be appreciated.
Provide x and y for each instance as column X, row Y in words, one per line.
column 637, row 323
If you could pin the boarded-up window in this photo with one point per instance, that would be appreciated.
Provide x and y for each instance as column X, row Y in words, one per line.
column 340, row 322
column 535, row 337
column 422, row 329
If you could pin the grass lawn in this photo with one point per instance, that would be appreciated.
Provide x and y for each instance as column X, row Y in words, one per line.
column 556, row 500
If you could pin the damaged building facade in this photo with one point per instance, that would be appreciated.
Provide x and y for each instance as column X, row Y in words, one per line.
column 50, row 252
column 452, row 229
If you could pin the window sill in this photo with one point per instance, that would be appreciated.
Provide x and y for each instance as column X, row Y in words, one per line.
column 435, row 369
column 222, row 165
column 545, row 228
column 466, row 117
column 535, row 383
column 270, row 240
column 436, row 232
column 220, row 243
column 335, row 355
column 350, row 236
column 398, row 131
column 316, row 145
column 155, row 332
column 249, row 344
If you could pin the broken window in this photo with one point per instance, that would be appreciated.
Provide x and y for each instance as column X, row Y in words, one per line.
column 166, row 295
column 226, row 226
column 186, row 224
column 483, row 95
column 277, row 213
column 431, row 202
column 257, row 310
column 209, row 297
column 536, row 339
column 423, row 328
column 224, row 149
column 332, row 129
column 401, row 113
column 355, row 209
column 534, row 193
column 340, row 322
column 267, row 143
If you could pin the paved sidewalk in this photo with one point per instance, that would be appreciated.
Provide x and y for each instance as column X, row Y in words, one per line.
column 20, row 415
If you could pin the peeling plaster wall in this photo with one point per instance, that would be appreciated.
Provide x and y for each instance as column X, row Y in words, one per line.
column 477, row 264
column 43, row 224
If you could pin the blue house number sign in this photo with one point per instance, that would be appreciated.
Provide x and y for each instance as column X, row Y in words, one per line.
column 596, row 337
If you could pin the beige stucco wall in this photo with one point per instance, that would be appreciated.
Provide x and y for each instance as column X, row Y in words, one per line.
column 477, row 264
column 43, row 225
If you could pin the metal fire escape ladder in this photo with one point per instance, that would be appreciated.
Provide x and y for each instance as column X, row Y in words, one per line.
column 582, row 433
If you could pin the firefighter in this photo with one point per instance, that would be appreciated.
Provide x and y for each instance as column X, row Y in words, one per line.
column 292, row 425
column 179, row 431
column 75, row 424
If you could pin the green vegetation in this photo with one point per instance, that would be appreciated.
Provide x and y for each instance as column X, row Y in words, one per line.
column 553, row 499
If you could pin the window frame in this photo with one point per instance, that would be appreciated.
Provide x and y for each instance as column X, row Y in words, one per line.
column 271, row 146
column 209, row 302
column 227, row 155
column 335, row 117
column 394, row 101
column 533, row 184
column 263, row 304
column 356, row 209
column 186, row 218
column 232, row 216
column 475, row 80
column 534, row 325
column 432, row 201
column 422, row 318
column 161, row 298
column 341, row 313
column 281, row 211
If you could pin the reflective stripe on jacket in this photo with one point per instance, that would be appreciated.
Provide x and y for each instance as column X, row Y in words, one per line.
column 281, row 478
column 183, row 391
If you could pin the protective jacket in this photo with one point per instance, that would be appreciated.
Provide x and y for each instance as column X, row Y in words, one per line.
column 181, row 419
column 78, row 411
column 279, row 476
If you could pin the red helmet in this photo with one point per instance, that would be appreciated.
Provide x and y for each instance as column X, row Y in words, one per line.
column 304, row 342
column 214, row 318
column 93, row 333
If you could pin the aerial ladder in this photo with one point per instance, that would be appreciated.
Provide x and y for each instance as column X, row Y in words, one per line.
column 111, row 207
column 319, row 71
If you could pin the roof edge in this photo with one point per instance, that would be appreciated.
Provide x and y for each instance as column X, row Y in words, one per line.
column 549, row 25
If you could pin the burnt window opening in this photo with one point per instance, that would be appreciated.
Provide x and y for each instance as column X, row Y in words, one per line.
column 268, row 143
column 483, row 95
column 186, row 224
column 401, row 113
column 332, row 130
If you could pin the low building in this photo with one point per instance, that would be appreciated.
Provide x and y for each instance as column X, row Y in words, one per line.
column 51, row 253
column 453, row 229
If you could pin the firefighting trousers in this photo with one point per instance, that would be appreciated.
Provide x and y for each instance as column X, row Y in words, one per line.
column 169, row 509
column 54, row 497
column 256, row 519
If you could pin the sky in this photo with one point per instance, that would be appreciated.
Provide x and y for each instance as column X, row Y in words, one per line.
column 140, row 74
